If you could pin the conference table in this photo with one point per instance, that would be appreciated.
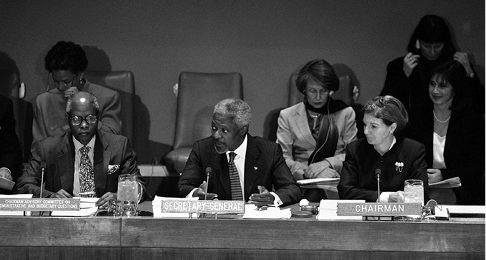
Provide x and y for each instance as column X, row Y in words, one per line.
column 232, row 237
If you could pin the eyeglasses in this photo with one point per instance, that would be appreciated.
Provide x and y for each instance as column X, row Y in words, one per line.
column 66, row 85
column 77, row 120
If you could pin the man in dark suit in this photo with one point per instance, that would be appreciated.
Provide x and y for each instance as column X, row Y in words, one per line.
column 10, row 151
column 84, row 161
column 258, row 163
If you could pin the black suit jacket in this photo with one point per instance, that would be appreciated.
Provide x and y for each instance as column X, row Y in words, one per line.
column 10, row 151
column 58, row 154
column 463, row 151
column 264, row 166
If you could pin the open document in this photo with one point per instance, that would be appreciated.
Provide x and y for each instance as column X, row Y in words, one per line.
column 449, row 183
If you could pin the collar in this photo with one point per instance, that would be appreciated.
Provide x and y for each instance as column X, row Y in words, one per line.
column 392, row 143
column 241, row 150
column 78, row 145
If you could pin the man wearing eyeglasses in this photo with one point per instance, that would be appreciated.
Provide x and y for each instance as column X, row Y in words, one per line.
column 65, row 63
column 84, row 161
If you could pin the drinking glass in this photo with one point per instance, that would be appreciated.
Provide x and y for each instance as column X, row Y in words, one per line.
column 414, row 191
column 129, row 192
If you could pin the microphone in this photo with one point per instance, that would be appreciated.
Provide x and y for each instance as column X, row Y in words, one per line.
column 43, row 168
column 378, row 174
column 208, row 172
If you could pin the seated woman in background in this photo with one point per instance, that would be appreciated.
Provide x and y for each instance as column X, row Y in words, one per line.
column 430, row 44
column 453, row 133
column 313, row 134
column 384, row 151
column 66, row 63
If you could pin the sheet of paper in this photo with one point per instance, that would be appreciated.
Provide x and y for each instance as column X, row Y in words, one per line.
column 81, row 213
column 328, row 210
column 270, row 213
column 328, row 181
column 449, row 183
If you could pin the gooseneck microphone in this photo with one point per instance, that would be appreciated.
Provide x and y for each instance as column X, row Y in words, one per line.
column 378, row 174
column 208, row 173
column 43, row 168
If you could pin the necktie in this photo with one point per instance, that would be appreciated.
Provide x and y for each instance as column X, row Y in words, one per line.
column 86, row 174
column 236, row 193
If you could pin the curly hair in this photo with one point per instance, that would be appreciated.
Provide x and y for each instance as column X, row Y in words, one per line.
column 66, row 56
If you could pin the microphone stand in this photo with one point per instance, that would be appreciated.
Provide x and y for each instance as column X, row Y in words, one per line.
column 378, row 173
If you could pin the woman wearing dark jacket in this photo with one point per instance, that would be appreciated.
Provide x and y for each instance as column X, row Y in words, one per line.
column 452, row 132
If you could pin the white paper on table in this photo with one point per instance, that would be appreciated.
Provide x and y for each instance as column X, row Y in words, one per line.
column 15, row 212
column 449, row 183
column 328, row 210
column 87, row 207
column 157, row 208
column 328, row 181
column 270, row 213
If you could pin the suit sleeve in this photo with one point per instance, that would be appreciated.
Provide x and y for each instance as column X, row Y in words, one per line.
column 29, row 182
column 10, row 151
column 348, row 186
column 419, row 168
column 283, row 181
column 285, row 139
column 191, row 176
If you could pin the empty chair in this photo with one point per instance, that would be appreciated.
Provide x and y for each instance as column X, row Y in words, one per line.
column 198, row 93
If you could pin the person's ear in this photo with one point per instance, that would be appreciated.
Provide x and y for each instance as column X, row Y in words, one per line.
column 393, row 127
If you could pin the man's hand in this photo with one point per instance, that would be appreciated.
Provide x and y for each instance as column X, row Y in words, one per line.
column 5, row 173
column 62, row 194
column 201, row 190
column 410, row 61
column 264, row 198
column 105, row 199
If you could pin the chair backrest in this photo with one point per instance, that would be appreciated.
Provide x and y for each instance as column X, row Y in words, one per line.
column 122, row 82
column 197, row 95
column 345, row 92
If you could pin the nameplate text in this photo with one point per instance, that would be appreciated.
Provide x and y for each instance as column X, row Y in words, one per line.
column 203, row 206
column 39, row 204
column 378, row 209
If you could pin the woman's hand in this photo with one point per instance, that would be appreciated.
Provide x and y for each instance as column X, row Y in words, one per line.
column 462, row 58
column 435, row 175
column 70, row 91
column 317, row 169
column 410, row 61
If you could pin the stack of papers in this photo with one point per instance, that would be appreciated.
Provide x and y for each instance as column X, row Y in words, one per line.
column 251, row 211
column 157, row 208
column 87, row 207
column 12, row 212
column 324, row 181
column 328, row 210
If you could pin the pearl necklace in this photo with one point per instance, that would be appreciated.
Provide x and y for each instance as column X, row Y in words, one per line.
column 440, row 121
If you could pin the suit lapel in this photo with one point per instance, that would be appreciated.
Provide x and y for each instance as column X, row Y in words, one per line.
column 300, row 117
column 101, row 161
column 252, row 165
column 65, row 163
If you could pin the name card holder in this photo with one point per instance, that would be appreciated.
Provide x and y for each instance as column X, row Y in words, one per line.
column 39, row 204
column 379, row 211
column 202, row 206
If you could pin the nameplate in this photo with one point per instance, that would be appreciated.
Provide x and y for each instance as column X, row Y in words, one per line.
column 39, row 204
column 378, row 209
column 203, row 206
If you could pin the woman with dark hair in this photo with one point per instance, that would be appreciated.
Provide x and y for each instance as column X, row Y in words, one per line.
column 313, row 134
column 384, row 151
column 65, row 63
column 430, row 44
column 453, row 134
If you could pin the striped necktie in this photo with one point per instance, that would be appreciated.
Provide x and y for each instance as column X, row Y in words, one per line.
column 86, row 174
column 236, row 193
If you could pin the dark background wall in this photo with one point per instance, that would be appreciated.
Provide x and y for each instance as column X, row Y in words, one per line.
column 265, row 41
